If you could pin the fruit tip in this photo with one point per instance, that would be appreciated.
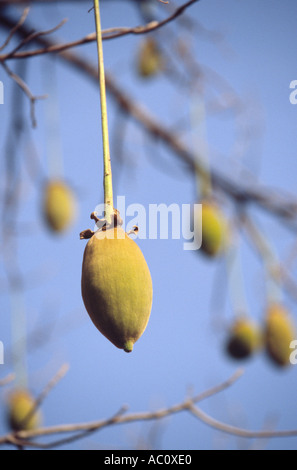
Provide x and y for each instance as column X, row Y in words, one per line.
column 128, row 346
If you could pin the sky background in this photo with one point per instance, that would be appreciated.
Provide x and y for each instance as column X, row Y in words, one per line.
column 182, row 349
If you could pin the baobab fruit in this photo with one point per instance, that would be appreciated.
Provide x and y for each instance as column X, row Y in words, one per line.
column 59, row 206
column 244, row 339
column 279, row 333
column 214, row 229
column 21, row 413
column 116, row 286
column 150, row 60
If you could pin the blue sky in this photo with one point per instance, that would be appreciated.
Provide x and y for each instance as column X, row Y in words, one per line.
column 180, row 349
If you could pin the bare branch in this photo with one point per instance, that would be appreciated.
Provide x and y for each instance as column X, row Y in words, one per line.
column 33, row 36
column 110, row 33
column 7, row 380
column 22, row 2
column 152, row 26
column 26, row 90
column 281, row 205
column 15, row 28
column 277, row 270
column 227, row 428
column 52, row 383
column 24, row 437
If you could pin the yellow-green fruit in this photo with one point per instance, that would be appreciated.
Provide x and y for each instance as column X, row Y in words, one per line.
column 244, row 339
column 149, row 59
column 59, row 205
column 116, row 287
column 20, row 406
column 279, row 333
column 214, row 229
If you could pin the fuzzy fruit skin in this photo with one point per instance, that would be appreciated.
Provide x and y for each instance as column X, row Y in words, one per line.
column 279, row 333
column 149, row 60
column 244, row 340
column 214, row 229
column 116, row 287
column 20, row 404
column 59, row 205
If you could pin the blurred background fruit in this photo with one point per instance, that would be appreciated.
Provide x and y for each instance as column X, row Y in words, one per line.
column 59, row 205
column 279, row 333
column 20, row 415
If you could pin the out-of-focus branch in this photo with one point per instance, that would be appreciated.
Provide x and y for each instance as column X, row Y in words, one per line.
column 118, row 418
column 110, row 33
column 282, row 205
column 15, row 28
column 51, row 384
column 31, row 38
column 32, row 2
column 277, row 270
column 21, row 2
column 271, row 200
column 190, row 404
column 234, row 430
column 14, row 76
column 7, row 380
column 32, row 98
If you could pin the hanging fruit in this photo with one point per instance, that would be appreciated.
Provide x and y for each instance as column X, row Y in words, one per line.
column 244, row 338
column 214, row 229
column 21, row 415
column 279, row 333
column 116, row 286
column 150, row 60
column 116, row 282
column 59, row 207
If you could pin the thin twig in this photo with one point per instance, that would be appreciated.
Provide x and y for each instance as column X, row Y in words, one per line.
column 18, row 80
column 15, row 28
column 7, row 380
column 110, row 33
column 52, row 383
column 34, row 36
column 234, row 430
column 277, row 270
column 281, row 205
column 23, row 437
column 118, row 418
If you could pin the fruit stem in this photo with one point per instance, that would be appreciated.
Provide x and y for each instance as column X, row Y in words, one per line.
column 235, row 279
column 19, row 335
column 202, row 168
column 107, row 182
column 269, row 258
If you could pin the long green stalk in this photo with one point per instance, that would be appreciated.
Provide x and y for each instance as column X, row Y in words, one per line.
column 108, row 192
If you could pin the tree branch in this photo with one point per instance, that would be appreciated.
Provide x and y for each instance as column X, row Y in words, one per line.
column 235, row 431
column 15, row 28
column 110, row 33
column 7, row 380
column 281, row 205
column 23, row 438
column 32, row 98
column 82, row 429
